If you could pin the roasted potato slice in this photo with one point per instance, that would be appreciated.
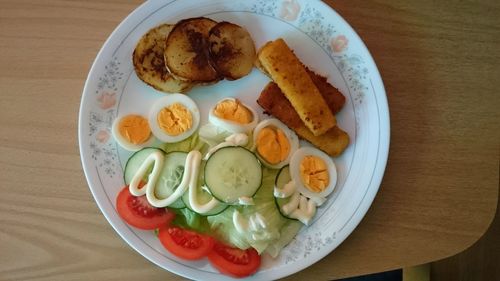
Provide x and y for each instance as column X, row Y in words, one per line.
column 186, row 52
column 232, row 50
column 149, row 64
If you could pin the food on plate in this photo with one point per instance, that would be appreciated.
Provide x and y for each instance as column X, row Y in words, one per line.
column 333, row 98
column 278, row 60
column 232, row 110
column 313, row 172
column 236, row 188
column 233, row 174
column 232, row 51
column 333, row 142
column 184, row 243
column 173, row 58
column 149, row 64
column 161, row 176
column 274, row 102
column 186, row 51
column 132, row 132
column 202, row 199
column 290, row 201
column 274, row 143
column 137, row 211
column 227, row 196
column 259, row 226
column 234, row 261
column 304, row 185
column 174, row 118
column 233, row 116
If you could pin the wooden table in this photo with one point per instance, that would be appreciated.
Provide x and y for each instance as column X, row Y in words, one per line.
column 440, row 64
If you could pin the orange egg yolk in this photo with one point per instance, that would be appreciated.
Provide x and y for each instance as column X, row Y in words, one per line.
column 175, row 119
column 272, row 145
column 233, row 110
column 134, row 128
column 314, row 173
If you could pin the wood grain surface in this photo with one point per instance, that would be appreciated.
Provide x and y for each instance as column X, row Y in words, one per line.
column 440, row 64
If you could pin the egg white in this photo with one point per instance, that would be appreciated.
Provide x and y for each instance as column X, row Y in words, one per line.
column 231, row 126
column 165, row 102
column 123, row 142
column 291, row 136
column 295, row 171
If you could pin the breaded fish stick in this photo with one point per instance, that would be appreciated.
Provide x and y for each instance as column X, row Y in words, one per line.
column 278, row 60
column 274, row 102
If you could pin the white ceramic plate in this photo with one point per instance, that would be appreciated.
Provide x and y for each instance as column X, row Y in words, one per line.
column 322, row 40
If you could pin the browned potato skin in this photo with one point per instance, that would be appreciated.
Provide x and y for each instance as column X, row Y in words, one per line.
column 186, row 52
column 149, row 64
column 232, row 50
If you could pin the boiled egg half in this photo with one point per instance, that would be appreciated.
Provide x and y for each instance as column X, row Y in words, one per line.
column 174, row 118
column 313, row 172
column 274, row 143
column 232, row 115
column 132, row 132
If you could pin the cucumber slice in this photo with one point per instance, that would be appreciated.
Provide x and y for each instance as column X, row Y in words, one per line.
column 283, row 178
column 170, row 177
column 279, row 203
column 203, row 197
column 171, row 174
column 233, row 172
column 135, row 161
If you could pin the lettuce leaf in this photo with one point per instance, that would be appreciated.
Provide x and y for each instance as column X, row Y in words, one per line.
column 288, row 232
column 281, row 230
column 192, row 143
column 213, row 135
column 186, row 218
column 224, row 228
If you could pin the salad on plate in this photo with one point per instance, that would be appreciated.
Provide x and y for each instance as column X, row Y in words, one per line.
column 237, row 187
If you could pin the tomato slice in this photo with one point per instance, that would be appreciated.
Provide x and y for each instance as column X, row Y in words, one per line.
column 137, row 211
column 185, row 243
column 234, row 261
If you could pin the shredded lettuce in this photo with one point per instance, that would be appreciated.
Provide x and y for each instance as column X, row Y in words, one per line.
column 186, row 218
column 265, row 206
column 192, row 143
column 288, row 232
column 280, row 231
column 213, row 135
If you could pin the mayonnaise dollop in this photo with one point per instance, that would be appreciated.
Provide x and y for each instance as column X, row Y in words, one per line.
column 298, row 207
column 255, row 226
column 287, row 190
column 305, row 212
